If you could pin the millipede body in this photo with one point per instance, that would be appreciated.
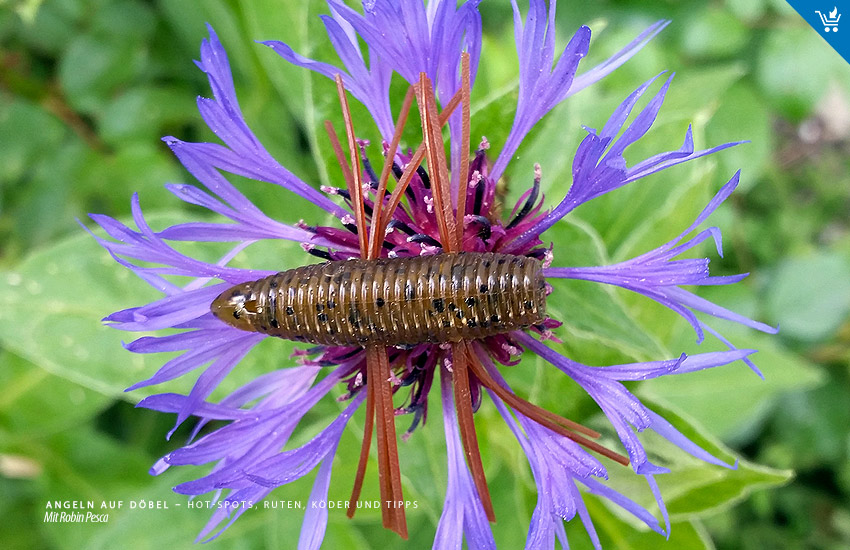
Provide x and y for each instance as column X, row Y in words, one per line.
column 392, row 301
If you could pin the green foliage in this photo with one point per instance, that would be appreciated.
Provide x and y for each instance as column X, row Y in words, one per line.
column 87, row 87
column 810, row 296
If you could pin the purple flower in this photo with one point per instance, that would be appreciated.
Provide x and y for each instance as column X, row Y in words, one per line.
column 250, row 452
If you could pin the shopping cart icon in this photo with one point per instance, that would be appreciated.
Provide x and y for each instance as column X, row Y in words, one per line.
column 830, row 20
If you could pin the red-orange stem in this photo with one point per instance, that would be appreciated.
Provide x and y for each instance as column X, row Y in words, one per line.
column 415, row 161
column 542, row 416
column 466, row 422
column 378, row 226
column 355, row 184
column 463, row 176
column 438, row 171
column 389, row 475
column 364, row 450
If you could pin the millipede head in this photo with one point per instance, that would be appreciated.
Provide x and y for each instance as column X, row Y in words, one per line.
column 237, row 306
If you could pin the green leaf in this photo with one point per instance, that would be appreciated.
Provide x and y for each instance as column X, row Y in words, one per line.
column 742, row 114
column 747, row 10
column 595, row 319
column 139, row 113
column 35, row 131
column 127, row 20
column 615, row 534
column 91, row 68
column 713, row 32
column 797, row 51
column 108, row 182
column 694, row 489
column 731, row 401
column 53, row 301
column 21, row 503
column 82, row 465
column 54, row 25
column 51, row 313
column 44, row 210
column 187, row 19
column 811, row 428
column 27, row 9
column 693, row 99
column 35, row 403
column 809, row 297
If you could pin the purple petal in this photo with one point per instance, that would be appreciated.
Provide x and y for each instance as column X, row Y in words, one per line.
column 463, row 514
column 608, row 66
column 316, row 519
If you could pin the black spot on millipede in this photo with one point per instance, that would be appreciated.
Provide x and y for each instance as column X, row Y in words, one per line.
column 322, row 317
column 273, row 309
column 483, row 288
column 471, row 301
column 290, row 310
column 438, row 305
column 379, row 302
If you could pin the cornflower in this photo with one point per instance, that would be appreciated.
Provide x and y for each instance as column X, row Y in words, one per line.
column 436, row 48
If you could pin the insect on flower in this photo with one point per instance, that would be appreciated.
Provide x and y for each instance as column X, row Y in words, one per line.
column 449, row 298
column 422, row 279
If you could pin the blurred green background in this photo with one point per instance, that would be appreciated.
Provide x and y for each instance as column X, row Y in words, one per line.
column 87, row 88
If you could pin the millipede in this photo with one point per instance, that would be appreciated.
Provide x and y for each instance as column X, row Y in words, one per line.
column 451, row 298
column 392, row 301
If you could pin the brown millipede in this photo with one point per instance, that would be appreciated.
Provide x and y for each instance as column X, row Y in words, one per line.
column 450, row 298
column 392, row 301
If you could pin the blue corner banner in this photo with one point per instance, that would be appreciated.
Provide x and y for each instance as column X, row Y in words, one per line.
column 831, row 19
